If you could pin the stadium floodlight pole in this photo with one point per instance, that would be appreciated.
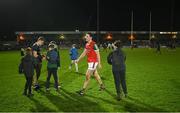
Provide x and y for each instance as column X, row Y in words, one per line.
column 172, row 15
column 150, row 26
column 97, row 29
column 131, row 28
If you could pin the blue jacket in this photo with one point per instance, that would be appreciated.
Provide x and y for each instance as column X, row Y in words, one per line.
column 73, row 53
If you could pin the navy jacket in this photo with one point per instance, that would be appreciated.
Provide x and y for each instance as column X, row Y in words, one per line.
column 117, row 60
column 53, row 59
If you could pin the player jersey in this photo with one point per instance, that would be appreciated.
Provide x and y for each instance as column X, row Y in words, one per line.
column 91, row 54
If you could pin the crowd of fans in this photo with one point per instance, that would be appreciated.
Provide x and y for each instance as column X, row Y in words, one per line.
column 66, row 43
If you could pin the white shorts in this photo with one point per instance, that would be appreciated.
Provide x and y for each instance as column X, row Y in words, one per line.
column 92, row 65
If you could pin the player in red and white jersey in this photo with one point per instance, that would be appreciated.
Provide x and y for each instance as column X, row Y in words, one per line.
column 93, row 58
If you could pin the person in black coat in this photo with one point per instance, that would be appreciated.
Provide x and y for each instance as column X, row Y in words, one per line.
column 27, row 64
column 117, row 60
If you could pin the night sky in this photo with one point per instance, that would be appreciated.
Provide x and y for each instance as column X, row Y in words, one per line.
column 114, row 15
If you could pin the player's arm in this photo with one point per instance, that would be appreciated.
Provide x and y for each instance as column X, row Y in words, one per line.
column 82, row 55
column 99, row 59
column 98, row 55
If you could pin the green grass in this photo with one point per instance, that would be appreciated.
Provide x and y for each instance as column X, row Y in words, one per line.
column 153, row 82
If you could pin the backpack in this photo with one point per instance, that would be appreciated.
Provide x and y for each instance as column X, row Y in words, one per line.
column 20, row 69
column 109, row 58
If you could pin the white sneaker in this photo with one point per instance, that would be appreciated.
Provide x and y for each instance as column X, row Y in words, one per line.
column 47, row 89
column 69, row 67
column 59, row 86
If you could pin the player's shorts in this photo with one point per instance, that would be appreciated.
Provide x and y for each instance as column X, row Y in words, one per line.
column 92, row 65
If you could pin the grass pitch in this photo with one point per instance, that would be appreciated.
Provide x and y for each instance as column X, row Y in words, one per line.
column 153, row 82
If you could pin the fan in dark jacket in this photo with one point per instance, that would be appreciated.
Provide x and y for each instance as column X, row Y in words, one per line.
column 27, row 65
column 117, row 60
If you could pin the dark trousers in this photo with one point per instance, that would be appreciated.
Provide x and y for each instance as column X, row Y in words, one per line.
column 158, row 50
column 28, row 84
column 38, row 70
column 52, row 71
column 120, row 80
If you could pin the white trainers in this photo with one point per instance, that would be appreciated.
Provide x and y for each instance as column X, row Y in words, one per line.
column 59, row 86
column 47, row 89
column 69, row 67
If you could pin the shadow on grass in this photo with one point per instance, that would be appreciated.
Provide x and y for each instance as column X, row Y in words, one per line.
column 39, row 107
column 175, row 83
column 136, row 105
column 83, row 74
column 70, row 102
column 131, row 104
column 79, row 73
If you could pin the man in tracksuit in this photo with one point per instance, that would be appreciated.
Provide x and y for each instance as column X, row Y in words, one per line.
column 27, row 65
column 38, row 60
column 117, row 60
column 52, row 66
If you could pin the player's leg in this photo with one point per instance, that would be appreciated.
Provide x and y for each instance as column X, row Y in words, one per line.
column 86, row 82
column 88, row 75
column 76, row 66
column 70, row 66
column 89, row 72
column 98, row 78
